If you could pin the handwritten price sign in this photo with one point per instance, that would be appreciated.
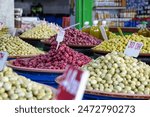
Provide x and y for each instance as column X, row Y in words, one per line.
column 133, row 48
column 3, row 59
column 74, row 84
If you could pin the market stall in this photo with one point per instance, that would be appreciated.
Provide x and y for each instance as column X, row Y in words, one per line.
column 117, row 59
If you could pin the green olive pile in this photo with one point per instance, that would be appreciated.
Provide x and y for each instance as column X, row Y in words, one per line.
column 15, row 87
column 119, row 43
column 42, row 31
column 3, row 31
column 118, row 73
column 17, row 47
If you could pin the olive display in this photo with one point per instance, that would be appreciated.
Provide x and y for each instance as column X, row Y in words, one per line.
column 16, row 87
column 41, row 31
column 17, row 47
column 118, row 73
column 118, row 43
column 3, row 31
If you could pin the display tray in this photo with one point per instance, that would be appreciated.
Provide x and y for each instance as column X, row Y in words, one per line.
column 22, row 56
column 73, row 46
column 32, row 39
column 114, row 95
column 106, row 52
column 118, row 95
column 9, row 63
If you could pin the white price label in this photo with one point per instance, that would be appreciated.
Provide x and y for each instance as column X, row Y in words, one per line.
column 133, row 48
column 60, row 37
column 103, row 32
column 3, row 59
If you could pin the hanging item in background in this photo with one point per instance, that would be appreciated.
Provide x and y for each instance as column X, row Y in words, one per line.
column 37, row 10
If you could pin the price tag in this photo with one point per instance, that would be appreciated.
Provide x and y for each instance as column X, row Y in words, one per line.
column 3, row 59
column 74, row 84
column 103, row 32
column 60, row 37
column 133, row 48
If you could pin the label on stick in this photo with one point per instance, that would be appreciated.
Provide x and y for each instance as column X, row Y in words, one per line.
column 60, row 37
column 3, row 59
column 133, row 48
column 74, row 84
column 103, row 32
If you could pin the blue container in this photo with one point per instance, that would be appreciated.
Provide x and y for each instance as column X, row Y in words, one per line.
column 48, row 78
column 52, row 84
column 133, row 23
column 50, row 19
column 94, row 97
column 9, row 59
column 53, row 19
column 59, row 21
column 127, row 24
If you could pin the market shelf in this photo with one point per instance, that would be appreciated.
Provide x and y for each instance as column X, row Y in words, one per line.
column 105, row 8
column 117, row 19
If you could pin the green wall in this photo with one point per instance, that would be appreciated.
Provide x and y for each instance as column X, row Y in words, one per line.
column 84, row 10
